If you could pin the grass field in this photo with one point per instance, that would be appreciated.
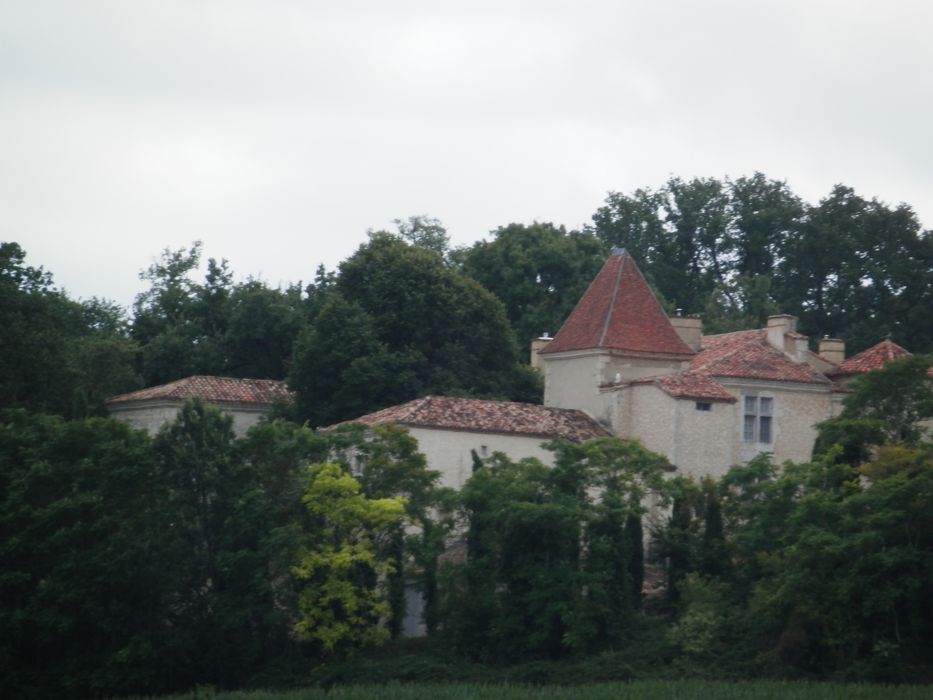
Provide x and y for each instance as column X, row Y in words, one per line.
column 636, row 690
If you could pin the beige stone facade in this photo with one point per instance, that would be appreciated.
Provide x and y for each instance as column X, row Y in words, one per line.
column 152, row 415
column 450, row 451
column 707, row 403
column 245, row 400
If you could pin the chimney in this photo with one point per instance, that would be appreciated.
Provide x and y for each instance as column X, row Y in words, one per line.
column 537, row 345
column 778, row 326
column 832, row 349
column 690, row 330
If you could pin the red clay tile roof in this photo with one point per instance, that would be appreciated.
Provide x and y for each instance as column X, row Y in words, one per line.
column 477, row 415
column 874, row 358
column 619, row 311
column 747, row 355
column 260, row 392
column 689, row 385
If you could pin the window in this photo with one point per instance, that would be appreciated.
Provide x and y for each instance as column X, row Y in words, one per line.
column 759, row 413
column 704, row 406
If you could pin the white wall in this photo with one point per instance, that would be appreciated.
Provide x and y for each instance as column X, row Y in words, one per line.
column 448, row 451
column 151, row 415
column 572, row 381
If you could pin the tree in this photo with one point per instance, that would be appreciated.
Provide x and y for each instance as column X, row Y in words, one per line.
column 740, row 250
column 58, row 355
column 398, row 324
column 340, row 604
column 81, row 559
column 260, row 330
column 422, row 232
column 888, row 405
column 386, row 462
column 552, row 564
column 221, row 548
column 164, row 318
column 539, row 272
column 213, row 327
column 342, row 369
column 858, row 270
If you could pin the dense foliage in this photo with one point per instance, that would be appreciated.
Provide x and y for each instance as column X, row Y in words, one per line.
column 217, row 327
column 493, row 687
column 552, row 567
column 58, row 355
column 131, row 563
column 397, row 323
column 735, row 251
column 134, row 564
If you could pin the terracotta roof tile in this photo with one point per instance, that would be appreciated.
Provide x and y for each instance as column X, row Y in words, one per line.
column 747, row 355
column 874, row 358
column 689, row 385
column 619, row 311
column 262, row 392
column 477, row 415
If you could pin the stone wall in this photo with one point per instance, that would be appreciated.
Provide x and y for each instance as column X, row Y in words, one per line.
column 448, row 451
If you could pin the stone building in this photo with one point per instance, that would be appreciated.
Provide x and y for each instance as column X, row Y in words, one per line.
column 618, row 366
column 706, row 402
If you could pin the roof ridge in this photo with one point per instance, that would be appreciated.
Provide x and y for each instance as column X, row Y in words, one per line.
column 615, row 294
column 747, row 330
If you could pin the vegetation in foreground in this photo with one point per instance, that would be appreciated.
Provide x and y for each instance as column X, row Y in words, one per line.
column 634, row 690
column 149, row 565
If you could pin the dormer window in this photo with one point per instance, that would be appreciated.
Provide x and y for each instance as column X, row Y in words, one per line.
column 759, row 412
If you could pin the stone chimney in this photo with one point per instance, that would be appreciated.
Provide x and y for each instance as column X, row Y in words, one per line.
column 538, row 344
column 832, row 349
column 778, row 326
column 690, row 330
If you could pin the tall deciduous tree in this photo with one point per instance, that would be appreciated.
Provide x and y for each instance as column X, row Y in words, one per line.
column 81, row 559
column 58, row 355
column 386, row 462
column 222, row 593
column 398, row 324
column 340, row 602
column 538, row 271
column 214, row 327
column 552, row 568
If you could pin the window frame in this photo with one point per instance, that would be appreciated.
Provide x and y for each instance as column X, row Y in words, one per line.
column 758, row 419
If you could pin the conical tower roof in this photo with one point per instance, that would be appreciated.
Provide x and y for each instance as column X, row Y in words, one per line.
column 619, row 312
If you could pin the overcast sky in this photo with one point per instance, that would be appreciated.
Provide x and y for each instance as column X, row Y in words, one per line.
column 278, row 132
